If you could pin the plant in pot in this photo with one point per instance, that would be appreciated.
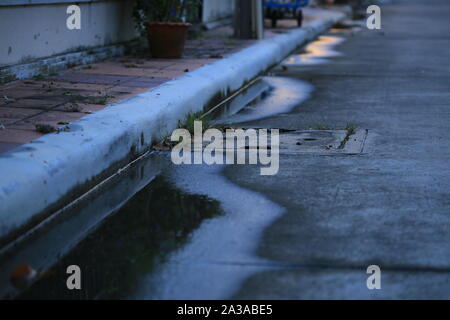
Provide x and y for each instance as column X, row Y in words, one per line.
column 164, row 23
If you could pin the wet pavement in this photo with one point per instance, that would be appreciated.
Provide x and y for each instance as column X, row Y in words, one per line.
column 310, row 232
column 389, row 206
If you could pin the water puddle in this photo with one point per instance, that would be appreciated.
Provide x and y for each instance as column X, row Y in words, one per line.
column 221, row 253
column 316, row 52
column 128, row 245
column 186, row 233
column 267, row 97
column 272, row 95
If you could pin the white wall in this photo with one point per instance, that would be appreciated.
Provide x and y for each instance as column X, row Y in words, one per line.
column 33, row 29
column 214, row 10
column 28, row 32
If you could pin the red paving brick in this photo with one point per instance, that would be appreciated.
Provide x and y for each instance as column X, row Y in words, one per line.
column 52, row 118
column 18, row 136
column 83, row 109
column 16, row 114
column 41, row 104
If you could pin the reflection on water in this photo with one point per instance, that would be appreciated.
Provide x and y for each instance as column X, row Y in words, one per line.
column 315, row 52
column 221, row 253
column 275, row 95
column 156, row 221
column 268, row 97
column 189, row 234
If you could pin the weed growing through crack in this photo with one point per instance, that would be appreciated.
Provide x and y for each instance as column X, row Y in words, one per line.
column 45, row 128
column 351, row 129
column 323, row 126
column 39, row 76
column 102, row 100
column 188, row 123
column 73, row 107
column 191, row 117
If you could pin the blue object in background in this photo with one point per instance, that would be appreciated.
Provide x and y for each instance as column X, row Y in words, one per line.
column 275, row 10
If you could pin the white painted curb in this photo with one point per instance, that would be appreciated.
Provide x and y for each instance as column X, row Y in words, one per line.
column 38, row 174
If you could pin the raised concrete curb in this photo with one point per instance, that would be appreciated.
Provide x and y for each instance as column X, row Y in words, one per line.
column 37, row 178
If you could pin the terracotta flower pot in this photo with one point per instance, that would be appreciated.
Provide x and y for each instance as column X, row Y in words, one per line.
column 167, row 38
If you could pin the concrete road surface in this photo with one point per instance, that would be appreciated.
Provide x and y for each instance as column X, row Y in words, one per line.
column 389, row 206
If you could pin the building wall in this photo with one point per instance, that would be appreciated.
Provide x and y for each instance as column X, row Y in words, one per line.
column 214, row 10
column 33, row 29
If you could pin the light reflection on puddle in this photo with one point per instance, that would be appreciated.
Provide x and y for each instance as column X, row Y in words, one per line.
column 268, row 97
column 316, row 52
column 220, row 254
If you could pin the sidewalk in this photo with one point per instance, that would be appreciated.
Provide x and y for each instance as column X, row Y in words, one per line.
column 30, row 108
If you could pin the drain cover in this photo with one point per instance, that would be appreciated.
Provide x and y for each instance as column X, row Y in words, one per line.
column 323, row 142
column 317, row 142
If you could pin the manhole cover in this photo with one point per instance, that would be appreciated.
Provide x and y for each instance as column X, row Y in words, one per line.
column 323, row 142
column 317, row 142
